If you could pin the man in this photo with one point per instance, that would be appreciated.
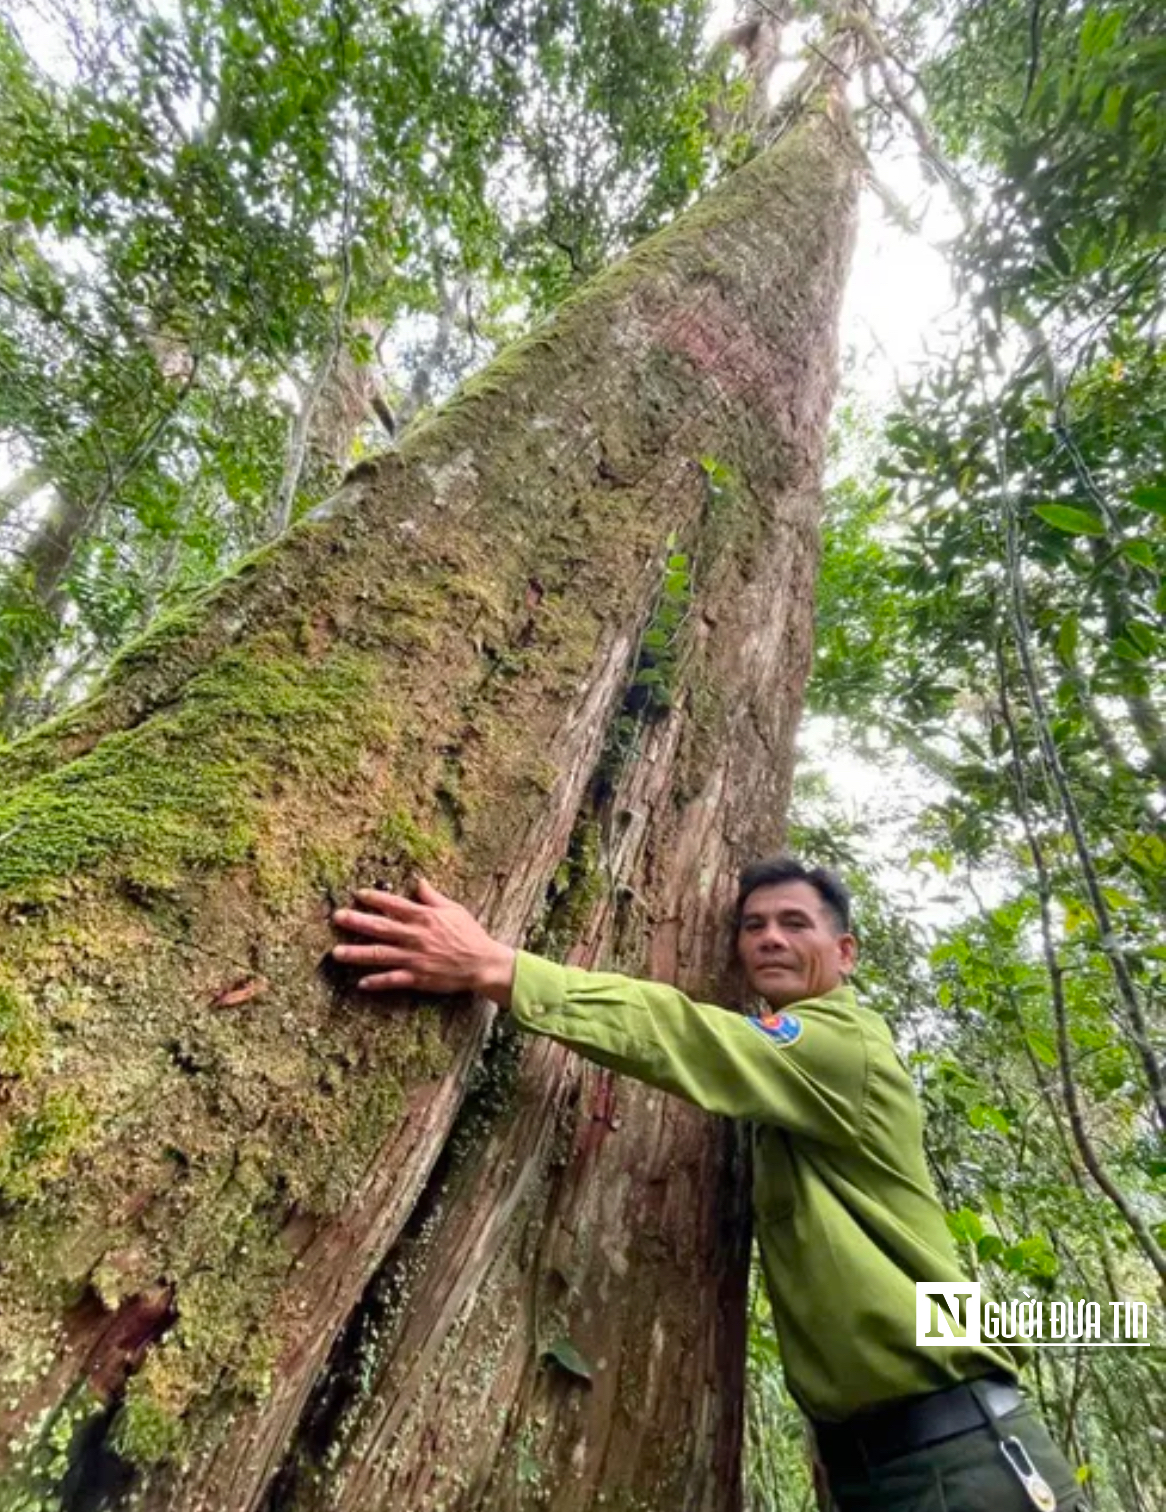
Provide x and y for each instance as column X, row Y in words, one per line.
column 846, row 1216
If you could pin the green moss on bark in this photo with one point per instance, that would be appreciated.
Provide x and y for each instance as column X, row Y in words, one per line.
column 406, row 846
column 144, row 1431
column 577, row 885
column 36, row 1146
column 181, row 792
column 21, row 1036
column 228, row 1122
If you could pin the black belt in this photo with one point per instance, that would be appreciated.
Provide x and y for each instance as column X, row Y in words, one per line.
column 872, row 1438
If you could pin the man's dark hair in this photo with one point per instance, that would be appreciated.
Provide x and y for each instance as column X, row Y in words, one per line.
column 831, row 889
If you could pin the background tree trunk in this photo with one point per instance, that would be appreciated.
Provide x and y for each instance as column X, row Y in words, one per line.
column 32, row 600
column 551, row 650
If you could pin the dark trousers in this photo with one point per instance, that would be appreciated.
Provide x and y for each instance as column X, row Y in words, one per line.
column 968, row 1473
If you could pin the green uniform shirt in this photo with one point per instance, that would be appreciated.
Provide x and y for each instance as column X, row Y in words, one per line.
column 846, row 1216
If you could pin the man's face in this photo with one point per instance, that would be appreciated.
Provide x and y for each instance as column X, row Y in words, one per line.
column 789, row 945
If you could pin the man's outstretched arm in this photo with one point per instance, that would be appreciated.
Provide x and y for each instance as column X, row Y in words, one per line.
column 807, row 1074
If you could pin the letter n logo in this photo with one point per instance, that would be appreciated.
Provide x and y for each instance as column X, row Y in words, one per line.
column 947, row 1312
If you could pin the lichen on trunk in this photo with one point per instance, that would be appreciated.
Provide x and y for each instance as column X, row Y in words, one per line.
column 209, row 1146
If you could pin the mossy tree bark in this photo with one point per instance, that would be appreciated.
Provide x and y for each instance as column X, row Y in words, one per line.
column 551, row 651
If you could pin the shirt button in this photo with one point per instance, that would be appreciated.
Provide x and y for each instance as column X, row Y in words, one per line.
column 536, row 1010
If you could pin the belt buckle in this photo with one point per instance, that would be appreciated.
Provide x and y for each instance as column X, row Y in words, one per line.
column 1000, row 1396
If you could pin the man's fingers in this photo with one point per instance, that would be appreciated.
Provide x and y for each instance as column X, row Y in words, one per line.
column 387, row 981
column 390, row 904
column 431, row 945
column 369, row 955
column 377, row 926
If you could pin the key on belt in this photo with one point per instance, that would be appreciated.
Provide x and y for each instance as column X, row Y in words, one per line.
column 1040, row 1493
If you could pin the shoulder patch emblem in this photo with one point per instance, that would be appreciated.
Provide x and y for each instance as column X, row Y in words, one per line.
column 782, row 1028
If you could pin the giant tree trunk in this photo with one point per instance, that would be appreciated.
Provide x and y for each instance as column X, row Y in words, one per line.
column 551, row 651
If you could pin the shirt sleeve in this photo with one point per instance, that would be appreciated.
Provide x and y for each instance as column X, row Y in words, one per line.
column 806, row 1072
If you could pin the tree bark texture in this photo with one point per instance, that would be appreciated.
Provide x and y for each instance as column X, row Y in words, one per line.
column 258, row 1249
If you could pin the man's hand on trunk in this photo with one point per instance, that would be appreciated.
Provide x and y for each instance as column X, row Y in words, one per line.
column 429, row 945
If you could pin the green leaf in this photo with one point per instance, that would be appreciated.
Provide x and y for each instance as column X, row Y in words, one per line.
column 1151, row 496
column 1099, row 33
column 1072, row 521
column 1067, row 639
column 564, row 1354
column 965, row 1226
column 1142, row 635
column 988, row 1246
column 1059, row 257
column 716, row 471
column 984, row 1115
column 1141, row 552
column 1042, row 1047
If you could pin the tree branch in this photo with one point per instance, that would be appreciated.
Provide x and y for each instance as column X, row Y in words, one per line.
column 1056, row 974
